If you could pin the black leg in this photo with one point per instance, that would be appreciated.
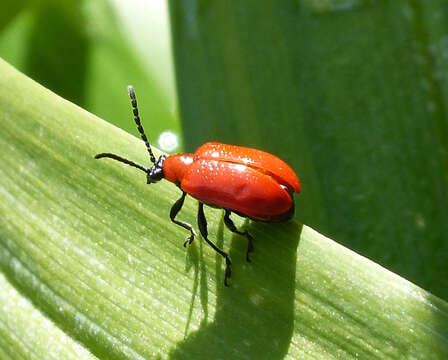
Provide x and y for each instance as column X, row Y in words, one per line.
column 231, row 226
column 202, row 223
column 174, row 211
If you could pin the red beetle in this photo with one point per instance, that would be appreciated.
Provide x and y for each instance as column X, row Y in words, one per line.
column 248, row 182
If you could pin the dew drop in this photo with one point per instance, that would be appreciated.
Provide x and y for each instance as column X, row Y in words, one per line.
column 168, row 141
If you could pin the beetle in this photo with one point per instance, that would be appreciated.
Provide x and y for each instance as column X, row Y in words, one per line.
column 248, row 182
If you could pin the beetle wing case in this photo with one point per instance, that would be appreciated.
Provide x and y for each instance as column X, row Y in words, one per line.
column 237, row 187
column 257, row 159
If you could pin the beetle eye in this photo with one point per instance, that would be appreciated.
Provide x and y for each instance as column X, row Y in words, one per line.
column 155, row 174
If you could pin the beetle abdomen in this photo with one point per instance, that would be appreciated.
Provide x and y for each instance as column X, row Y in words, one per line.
column 236, row 187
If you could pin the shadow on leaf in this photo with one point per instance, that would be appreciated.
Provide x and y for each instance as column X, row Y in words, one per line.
column 255, row 315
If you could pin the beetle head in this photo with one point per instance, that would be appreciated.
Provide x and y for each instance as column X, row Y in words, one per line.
column 155, row 173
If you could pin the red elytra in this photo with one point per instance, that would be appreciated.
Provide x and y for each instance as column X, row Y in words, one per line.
column 246, row 181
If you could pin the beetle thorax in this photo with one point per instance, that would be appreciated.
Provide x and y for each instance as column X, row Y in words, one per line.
column 175, row 166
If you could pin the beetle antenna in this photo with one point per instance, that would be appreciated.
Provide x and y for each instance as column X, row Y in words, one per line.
column 139, row 124
column 120, row 159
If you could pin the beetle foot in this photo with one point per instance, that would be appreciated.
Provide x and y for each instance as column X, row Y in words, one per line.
column 250, row 245
column 189, row 240
column 228, row 271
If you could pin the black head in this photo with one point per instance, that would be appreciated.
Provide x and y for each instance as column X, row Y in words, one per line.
column 155, row 172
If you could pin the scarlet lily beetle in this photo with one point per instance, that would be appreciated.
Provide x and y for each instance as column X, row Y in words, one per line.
column 241, row 180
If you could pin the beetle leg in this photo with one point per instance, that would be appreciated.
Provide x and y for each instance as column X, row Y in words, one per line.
column 202, row 223
column 231, row 226
column 174, row 211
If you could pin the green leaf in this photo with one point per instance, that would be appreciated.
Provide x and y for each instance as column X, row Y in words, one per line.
column 91, row 266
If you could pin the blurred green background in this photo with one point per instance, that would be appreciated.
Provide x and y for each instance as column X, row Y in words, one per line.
column 351, row 93
column 90, row 51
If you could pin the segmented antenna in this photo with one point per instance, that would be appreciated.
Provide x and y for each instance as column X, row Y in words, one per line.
column 123, row 160
column 139, row 124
